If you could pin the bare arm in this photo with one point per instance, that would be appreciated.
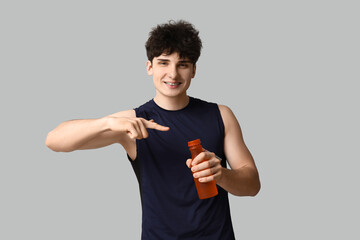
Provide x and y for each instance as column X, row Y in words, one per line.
column 242, row 179
column 122, row 127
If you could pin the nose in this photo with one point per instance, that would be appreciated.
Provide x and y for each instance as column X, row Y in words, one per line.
column 173, row 72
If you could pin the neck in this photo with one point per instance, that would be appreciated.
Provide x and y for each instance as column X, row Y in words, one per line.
column 172, row 103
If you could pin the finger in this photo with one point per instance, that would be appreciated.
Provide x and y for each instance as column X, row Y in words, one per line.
column 204, row 173
column 137, row 127
column 207, row 179
column 213, row 164
column 207, row 171
column 199, row 158
column 216, row 176
column 202, row 157
column 132, row 132
column 220, row 159
column 154, row 125
column 188, row 163
column 143, row 130
column 201, row 166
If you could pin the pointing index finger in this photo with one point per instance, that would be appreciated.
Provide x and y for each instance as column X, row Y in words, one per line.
column 153, row 125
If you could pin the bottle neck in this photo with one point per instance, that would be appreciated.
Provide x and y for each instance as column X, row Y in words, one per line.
column 195, row 150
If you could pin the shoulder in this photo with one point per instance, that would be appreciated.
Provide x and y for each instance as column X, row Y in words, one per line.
column 225, row 111
column 132, row 112
column 127, row 113
column 229, row 119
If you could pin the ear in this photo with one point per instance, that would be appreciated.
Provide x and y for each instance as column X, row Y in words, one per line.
column 149, row 68
column 194, row 71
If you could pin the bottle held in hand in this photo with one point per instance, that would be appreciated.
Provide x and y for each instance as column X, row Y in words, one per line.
column 205, row 190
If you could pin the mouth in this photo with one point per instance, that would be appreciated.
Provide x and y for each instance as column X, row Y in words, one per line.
column 172, row 83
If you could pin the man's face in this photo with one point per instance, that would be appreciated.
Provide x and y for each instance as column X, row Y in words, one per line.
column 171, row 75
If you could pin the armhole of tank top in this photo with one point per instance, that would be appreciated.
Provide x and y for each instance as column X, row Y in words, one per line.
column 136, row 146
column 136, row 152
column 221, row 121
column 222, row 129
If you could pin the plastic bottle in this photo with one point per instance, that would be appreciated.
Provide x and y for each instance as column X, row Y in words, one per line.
column 205, row 190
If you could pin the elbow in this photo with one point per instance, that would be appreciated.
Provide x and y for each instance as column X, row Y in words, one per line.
column 49, row 143
column 255, row 189
column 250, row 189
column 52, row 144
column 256, row 185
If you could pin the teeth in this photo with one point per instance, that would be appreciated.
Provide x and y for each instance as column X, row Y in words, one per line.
column 172, row 84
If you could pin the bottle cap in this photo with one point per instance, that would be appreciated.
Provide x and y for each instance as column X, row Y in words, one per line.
column 194, row 142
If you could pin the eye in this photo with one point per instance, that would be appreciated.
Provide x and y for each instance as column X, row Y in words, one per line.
column 184, row 65
column 163, row 63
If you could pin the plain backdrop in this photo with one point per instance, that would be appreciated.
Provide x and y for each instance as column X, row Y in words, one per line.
column 289, row 70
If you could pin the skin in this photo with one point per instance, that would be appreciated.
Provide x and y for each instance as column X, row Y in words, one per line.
column 170, row 68
column 124, row 128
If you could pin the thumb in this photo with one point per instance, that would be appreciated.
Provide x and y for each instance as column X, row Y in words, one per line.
column 188, row 163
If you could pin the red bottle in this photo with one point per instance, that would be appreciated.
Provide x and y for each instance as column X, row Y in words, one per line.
column 205, row 190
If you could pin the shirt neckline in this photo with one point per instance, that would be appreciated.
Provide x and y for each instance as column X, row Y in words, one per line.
column 173, row 111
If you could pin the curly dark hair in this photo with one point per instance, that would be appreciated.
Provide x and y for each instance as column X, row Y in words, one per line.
column 180, row 37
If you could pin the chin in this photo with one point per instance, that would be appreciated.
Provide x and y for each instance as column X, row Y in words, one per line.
column 172, row 95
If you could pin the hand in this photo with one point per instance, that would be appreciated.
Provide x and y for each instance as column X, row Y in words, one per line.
column 135, row 128
column 206, row 167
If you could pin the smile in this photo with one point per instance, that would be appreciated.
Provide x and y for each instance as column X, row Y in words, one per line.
column 172, row 84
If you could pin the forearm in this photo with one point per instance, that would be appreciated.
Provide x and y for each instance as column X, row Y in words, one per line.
column 240, row 182
column 71, row 135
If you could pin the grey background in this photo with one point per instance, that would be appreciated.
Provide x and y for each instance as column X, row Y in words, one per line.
column 289, row 70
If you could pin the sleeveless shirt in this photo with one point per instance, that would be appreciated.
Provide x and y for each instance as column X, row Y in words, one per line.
column 171, row 208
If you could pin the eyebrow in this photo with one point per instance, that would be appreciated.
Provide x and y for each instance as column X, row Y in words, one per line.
column 167, row 60
column 164, row 60
column 185, row 61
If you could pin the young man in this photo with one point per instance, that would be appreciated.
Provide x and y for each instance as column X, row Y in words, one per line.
column 155, row 137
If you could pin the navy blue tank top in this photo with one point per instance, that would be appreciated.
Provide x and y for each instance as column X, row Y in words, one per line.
column 171, row 208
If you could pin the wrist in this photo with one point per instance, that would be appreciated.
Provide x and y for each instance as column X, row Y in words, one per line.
column 221, row 176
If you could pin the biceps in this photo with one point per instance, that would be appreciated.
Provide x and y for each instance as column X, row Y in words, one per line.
column 237, row 153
